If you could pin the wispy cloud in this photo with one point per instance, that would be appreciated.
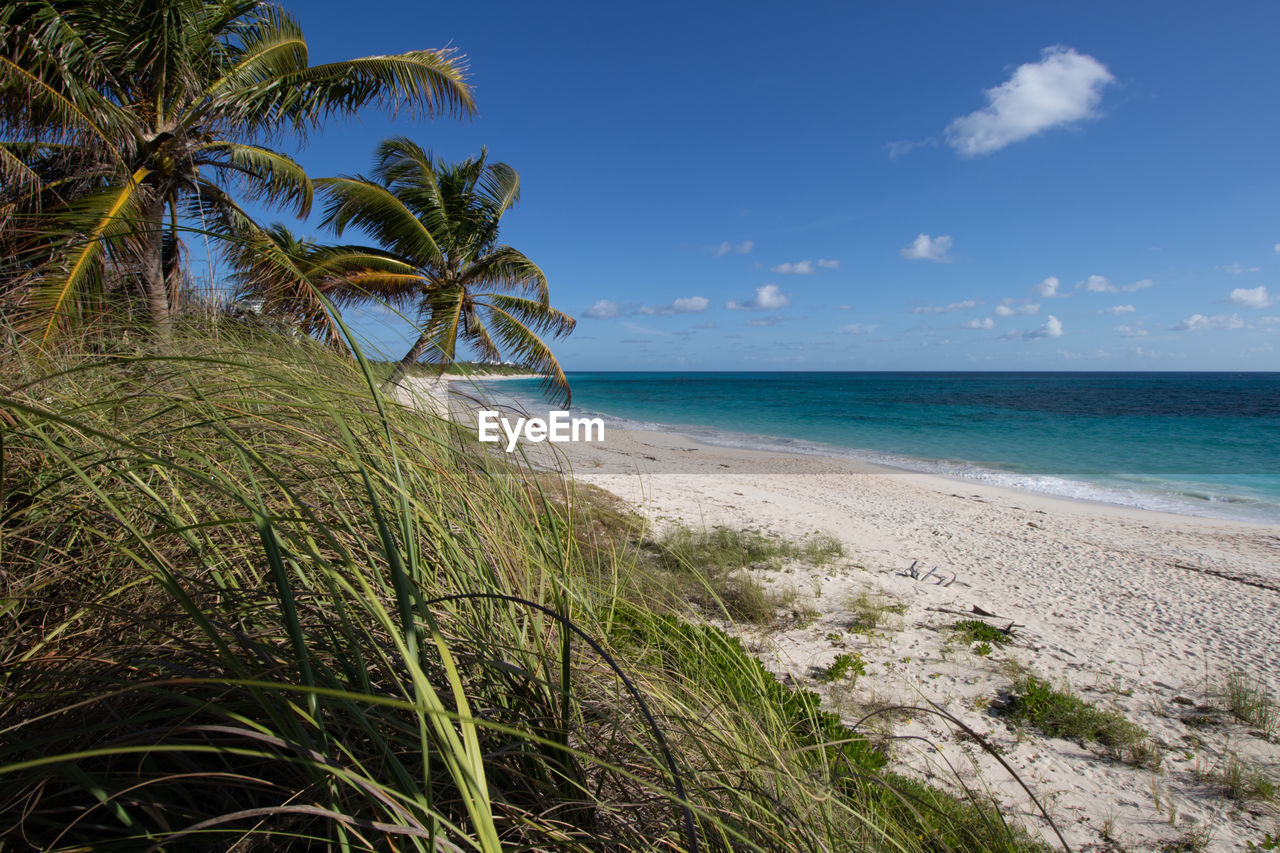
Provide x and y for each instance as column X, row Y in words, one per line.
column 926, row 248
column 603, row 309
column 1100, row 284
column 858, row 329
column 769, row 297
column 984, row 323
column 1119, row 309
column 797, row 268
column 1017, row 308
column 1132, row 331
column 766, row 321
column 1048, row 288
column 1064, row 87
column 645, row 330
column 945, row 309
column 903, row 147
column 1199, row 322
column 828, row 264
column 725, row 248
column 1237, row 268
column 1254, row 297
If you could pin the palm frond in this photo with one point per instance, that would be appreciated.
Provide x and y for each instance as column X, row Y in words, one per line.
column 511, row 319
column 55, row 295
column 265, row 174
column 383, row 214
column 510, row 269
column 422, row 82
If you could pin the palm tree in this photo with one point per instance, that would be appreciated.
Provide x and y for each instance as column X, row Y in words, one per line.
column 122, row 118
column 439, row 222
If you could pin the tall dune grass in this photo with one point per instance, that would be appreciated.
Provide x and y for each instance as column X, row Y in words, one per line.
column 247, row 604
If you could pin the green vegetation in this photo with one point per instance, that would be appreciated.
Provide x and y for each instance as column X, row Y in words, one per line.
column 870, row 609
column 726, row 549
column 245, row 598
column 1250, row 702
column 847, row 665
column 1242, row 782
column 1060, row 713
column 977, row 631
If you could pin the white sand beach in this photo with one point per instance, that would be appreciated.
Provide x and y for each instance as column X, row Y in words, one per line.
column 1138, row 611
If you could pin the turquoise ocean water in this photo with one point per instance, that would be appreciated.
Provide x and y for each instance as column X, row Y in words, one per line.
column 1194, row 443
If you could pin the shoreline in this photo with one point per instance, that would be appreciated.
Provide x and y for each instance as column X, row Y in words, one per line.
column 966, row 473
column 1138, row 610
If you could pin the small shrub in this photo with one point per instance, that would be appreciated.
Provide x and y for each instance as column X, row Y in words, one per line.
column 977, row 631
column 982, row 649
column 846, row 665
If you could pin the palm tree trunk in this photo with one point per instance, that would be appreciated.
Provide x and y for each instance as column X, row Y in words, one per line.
column 411, row 358
column 154, row 284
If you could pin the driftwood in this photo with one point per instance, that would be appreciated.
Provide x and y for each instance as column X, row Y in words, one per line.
column 914, row 574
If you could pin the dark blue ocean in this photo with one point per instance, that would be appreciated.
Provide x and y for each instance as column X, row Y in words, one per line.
column 1194, row 443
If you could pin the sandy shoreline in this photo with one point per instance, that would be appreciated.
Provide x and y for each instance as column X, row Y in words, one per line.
column 1136, row 610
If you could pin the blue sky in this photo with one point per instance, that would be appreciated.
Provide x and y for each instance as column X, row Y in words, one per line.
column 814, row 186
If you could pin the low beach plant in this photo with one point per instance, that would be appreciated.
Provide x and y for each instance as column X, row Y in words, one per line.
column 1058, row 712
column 977, row 631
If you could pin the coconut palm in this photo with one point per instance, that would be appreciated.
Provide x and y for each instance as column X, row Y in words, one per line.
column 123, row 117
column 440, row 222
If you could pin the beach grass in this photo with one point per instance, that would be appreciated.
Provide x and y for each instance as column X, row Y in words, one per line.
column 1249, row 701
column 248, row 603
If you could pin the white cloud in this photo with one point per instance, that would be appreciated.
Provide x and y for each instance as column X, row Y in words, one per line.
column 1048, row 288
column 684, row 305
column 604, row 309
column 1062, row 88
column 926, row 248
column 766, row 321
column 944, row 309
column 690, row 305
column 743, row 248
column 1052, row 328
column 798, row 268
column 857, row 329
column 1278, row 247
column 1100, row 284
column 844, row 307
column 1237, row 268
column 1131, row 331
column 828, row 264
column 1256, row 297
column 984, row 323
column 769, row 297
column 1119, row 309
column 1009, row 309
column 1199, row 322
